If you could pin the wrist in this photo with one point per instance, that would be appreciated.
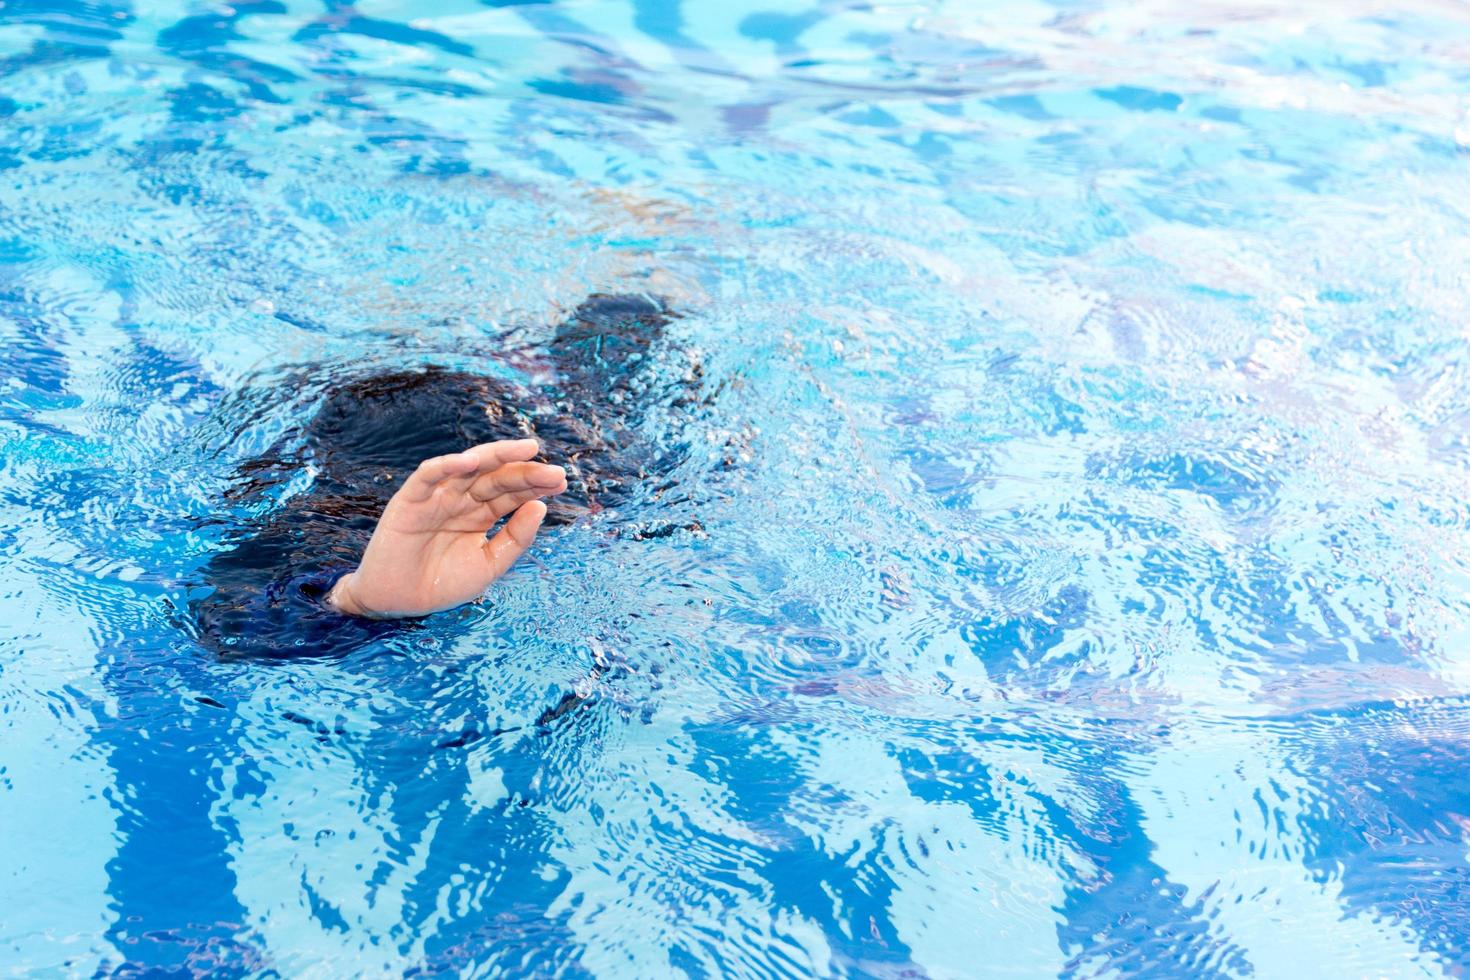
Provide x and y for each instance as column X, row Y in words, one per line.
column 341, row 599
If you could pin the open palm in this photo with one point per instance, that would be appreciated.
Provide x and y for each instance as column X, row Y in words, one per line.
column 429, row 551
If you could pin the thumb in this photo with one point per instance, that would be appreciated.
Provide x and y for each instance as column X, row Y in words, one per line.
column 512, row 540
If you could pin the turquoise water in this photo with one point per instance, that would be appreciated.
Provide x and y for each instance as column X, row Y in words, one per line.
column 1069, row 571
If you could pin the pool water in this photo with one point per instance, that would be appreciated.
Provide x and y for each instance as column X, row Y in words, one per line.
column 1064, row 568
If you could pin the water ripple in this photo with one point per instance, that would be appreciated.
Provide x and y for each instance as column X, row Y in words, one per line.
column 1055, row 555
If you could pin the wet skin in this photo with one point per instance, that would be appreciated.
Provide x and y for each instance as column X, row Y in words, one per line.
column 370, row 433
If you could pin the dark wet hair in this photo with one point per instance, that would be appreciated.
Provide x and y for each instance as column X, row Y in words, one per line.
column 263, row 595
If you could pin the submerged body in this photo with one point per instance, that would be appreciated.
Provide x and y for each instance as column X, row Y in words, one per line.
column 392, row 446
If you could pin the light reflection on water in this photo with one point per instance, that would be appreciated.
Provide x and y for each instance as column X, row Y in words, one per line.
column 1080, row 454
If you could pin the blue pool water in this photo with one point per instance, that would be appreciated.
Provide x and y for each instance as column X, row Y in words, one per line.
column 1065, row 571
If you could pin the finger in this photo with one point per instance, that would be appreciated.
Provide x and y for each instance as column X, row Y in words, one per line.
column 489, row 456
column 511, row 541
column 515, row 477
column 432, row 472
column 497, row 507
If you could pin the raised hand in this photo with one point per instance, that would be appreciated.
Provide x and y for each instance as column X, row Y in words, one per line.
column 429, row 551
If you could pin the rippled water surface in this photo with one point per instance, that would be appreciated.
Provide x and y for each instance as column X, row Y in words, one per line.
column 1061, row 565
